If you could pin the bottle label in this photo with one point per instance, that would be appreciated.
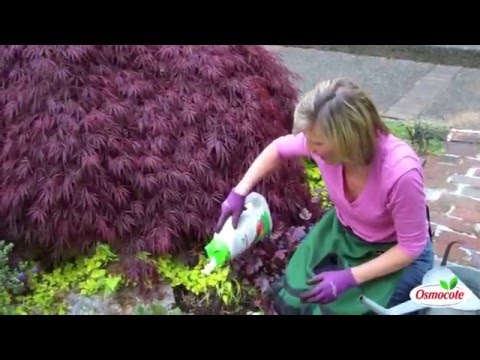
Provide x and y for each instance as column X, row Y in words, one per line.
column 255, row 225
column 263, row 227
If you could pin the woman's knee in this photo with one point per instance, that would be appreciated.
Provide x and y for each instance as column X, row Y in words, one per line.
column 413, row 275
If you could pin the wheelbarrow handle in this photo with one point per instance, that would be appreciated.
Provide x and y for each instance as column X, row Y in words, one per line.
column 448, row 248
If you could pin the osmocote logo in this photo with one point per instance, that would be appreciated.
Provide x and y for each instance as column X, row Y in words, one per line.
column 444, row 294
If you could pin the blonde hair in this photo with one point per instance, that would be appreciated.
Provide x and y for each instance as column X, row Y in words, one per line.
column 345, row 114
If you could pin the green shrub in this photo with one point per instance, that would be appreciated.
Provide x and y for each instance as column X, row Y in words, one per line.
column 425, row 137
column 12, row 280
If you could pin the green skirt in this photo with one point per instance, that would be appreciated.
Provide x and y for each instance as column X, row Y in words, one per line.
column 331, row 246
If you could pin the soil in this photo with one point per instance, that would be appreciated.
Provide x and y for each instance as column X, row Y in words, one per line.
column 199, row 305
column 123, row 302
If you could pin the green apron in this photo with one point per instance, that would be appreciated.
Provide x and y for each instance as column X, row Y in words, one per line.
column 331, row 246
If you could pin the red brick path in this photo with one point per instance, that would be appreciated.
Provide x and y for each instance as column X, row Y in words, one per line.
column 453, row 193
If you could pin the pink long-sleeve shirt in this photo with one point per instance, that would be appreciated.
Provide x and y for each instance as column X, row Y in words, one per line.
column 392, row 204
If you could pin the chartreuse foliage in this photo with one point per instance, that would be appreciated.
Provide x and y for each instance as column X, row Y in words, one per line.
column 87, row 275
column 316, row 184
column 219, row 282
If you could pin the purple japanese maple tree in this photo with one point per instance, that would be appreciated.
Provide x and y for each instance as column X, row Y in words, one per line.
column 136, row 146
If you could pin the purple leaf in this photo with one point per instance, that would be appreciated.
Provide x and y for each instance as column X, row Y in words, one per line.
column 262, row 283
column 275, row 235
column 297, row 234
column 253, row 267
column 305, row 214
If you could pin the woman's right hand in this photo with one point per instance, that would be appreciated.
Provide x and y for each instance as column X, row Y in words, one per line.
column 233, row 206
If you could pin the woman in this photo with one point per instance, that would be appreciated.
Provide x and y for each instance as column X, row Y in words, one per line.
column 376, row 240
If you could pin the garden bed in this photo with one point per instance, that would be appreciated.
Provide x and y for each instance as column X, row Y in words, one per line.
column 86, row 286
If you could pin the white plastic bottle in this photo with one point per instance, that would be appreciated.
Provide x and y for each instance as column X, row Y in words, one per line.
column 255, row 224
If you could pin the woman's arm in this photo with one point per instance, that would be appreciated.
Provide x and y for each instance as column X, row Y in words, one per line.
column 408, row 206
column 284, row 147
column 390, row 261
column 265, row 163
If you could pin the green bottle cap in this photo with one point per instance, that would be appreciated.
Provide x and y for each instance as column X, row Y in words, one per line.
column 217, row 250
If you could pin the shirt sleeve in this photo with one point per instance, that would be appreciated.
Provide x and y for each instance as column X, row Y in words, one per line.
column 407, row 203
column 290, row 146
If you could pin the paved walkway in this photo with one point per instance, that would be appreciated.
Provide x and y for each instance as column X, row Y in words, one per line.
column 407, row 90
column 402, row 89
column 453, row 193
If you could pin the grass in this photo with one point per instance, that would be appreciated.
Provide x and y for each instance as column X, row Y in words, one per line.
column 426, row 137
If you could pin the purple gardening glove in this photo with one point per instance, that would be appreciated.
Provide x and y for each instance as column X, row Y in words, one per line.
column 233, row 206
column 329, row 286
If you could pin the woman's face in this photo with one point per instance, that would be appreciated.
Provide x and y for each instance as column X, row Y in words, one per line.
column 321, row 146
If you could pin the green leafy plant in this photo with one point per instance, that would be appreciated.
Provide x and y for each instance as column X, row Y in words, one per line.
column 93, row 274
column 12, row 280
column 5, row 303
column 87, row 275
column 316, row 185
column 424, row 136
column 218, row 282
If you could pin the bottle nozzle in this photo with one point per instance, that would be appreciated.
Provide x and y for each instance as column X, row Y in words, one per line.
column 209, row 267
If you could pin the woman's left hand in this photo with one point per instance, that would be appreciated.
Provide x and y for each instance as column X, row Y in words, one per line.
column 329, row 285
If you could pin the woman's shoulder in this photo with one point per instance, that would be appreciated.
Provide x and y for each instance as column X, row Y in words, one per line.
column 398, row 154
column 292, row 145
column 398, row 158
